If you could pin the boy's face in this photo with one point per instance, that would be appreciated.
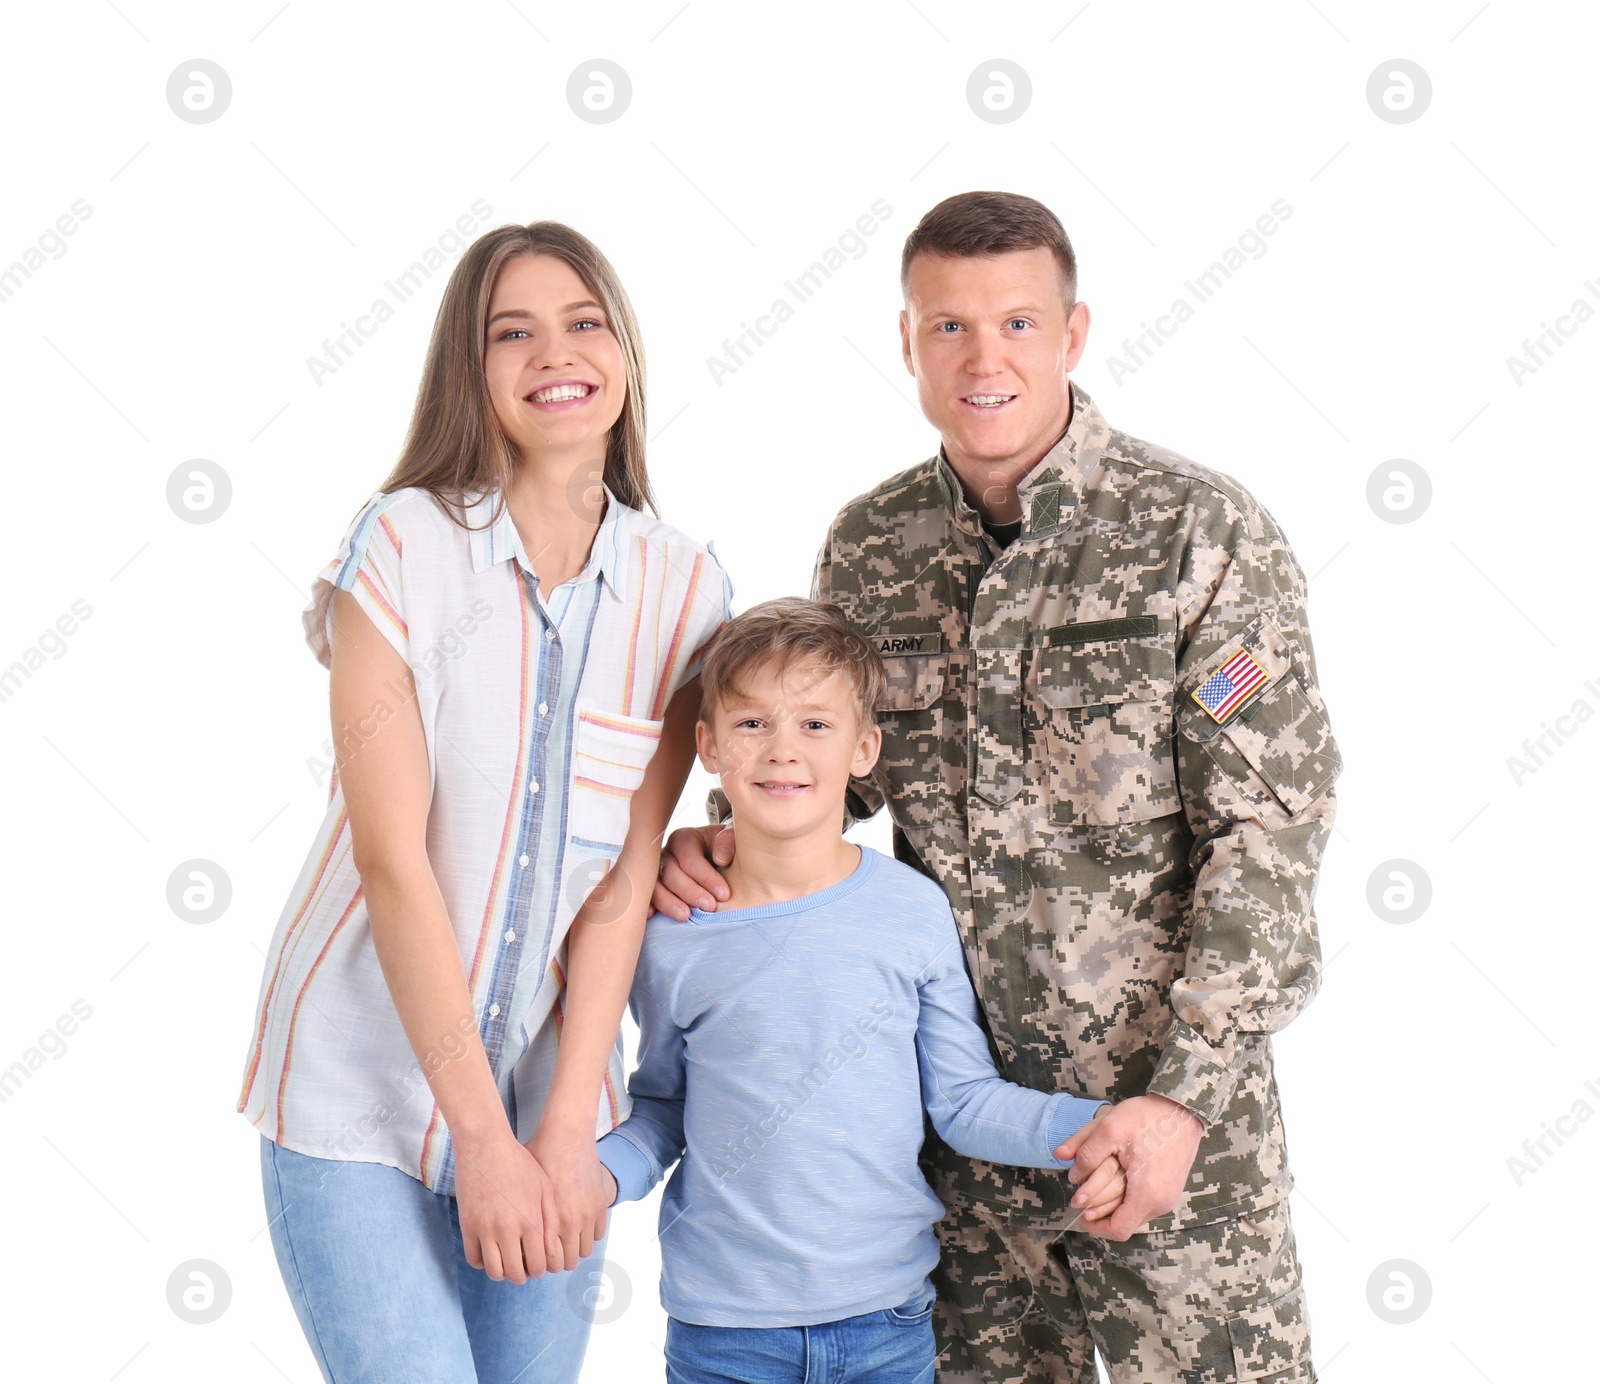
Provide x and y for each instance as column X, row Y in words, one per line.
column 786, row 748
column 990, row 342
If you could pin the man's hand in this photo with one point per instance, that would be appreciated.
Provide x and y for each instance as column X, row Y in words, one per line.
column 688, row 874
column 1152, row 1137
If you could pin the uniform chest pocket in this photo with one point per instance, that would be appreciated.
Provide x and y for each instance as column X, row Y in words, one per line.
column 912, row 682
column 1103, row 717
column 913, row 761
column 610, row 753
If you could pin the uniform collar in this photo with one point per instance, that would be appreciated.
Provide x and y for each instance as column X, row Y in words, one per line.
column 1050, row 491
column 500, row 540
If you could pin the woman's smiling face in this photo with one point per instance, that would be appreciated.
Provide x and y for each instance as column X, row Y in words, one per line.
column 553, row 364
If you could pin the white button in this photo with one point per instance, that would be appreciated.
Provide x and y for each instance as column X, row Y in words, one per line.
column 532, row 786
column 544, row 708
column 494, row 1011
column 549, row 634
column 511, row 934
column 522, row 860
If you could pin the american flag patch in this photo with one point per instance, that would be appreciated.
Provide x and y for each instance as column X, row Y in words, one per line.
column 1228, row 687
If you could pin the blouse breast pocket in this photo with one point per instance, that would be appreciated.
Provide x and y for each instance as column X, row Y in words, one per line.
column 610, row 753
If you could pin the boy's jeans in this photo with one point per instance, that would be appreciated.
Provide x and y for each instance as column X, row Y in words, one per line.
column 374, row 1266
column 892, row 1346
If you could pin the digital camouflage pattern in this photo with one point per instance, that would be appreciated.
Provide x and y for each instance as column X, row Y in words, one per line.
column 1202, row 1305
column 1133, row 879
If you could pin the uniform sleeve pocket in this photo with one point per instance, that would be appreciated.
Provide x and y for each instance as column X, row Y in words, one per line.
column 610, row 753
column 1103, row 712
column 1278, row 739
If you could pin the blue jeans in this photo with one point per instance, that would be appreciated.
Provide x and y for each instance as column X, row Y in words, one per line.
column 891, row 1346
column 374, row 1266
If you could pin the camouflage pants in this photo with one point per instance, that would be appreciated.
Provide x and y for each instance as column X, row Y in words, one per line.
column 1202, row 1305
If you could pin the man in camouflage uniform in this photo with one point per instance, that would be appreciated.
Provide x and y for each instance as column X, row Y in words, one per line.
column 1131, row 864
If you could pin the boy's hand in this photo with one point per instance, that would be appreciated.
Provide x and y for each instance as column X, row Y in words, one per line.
column 1103, row 1190
column 1104, row 1185
column 578, row 1190
column 688, row 874
column 509, row 1220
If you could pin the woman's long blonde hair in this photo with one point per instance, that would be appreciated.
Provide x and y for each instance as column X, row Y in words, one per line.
column 455, row 443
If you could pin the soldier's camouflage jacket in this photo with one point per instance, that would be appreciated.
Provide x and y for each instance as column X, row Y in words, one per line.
column 1133, row 878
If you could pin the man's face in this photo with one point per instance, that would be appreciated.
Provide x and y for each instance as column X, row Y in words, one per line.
column 786, row 747
column 990, row 343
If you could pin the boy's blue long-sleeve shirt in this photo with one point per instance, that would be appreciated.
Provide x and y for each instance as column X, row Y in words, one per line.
column 786, row 1055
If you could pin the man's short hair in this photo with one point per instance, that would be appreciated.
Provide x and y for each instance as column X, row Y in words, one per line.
column 991, row 223
column 791, row 631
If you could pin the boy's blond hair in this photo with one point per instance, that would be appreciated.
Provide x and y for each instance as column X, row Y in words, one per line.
column 785, row 631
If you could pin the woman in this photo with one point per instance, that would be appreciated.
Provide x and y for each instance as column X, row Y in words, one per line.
column 509, row 638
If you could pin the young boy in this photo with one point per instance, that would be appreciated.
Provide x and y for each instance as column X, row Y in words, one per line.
column 790, row 1042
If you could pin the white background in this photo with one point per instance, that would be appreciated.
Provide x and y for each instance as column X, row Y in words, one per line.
column 178, row 720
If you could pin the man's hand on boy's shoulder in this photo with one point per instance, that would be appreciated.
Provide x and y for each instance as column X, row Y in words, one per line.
column 688, row 873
